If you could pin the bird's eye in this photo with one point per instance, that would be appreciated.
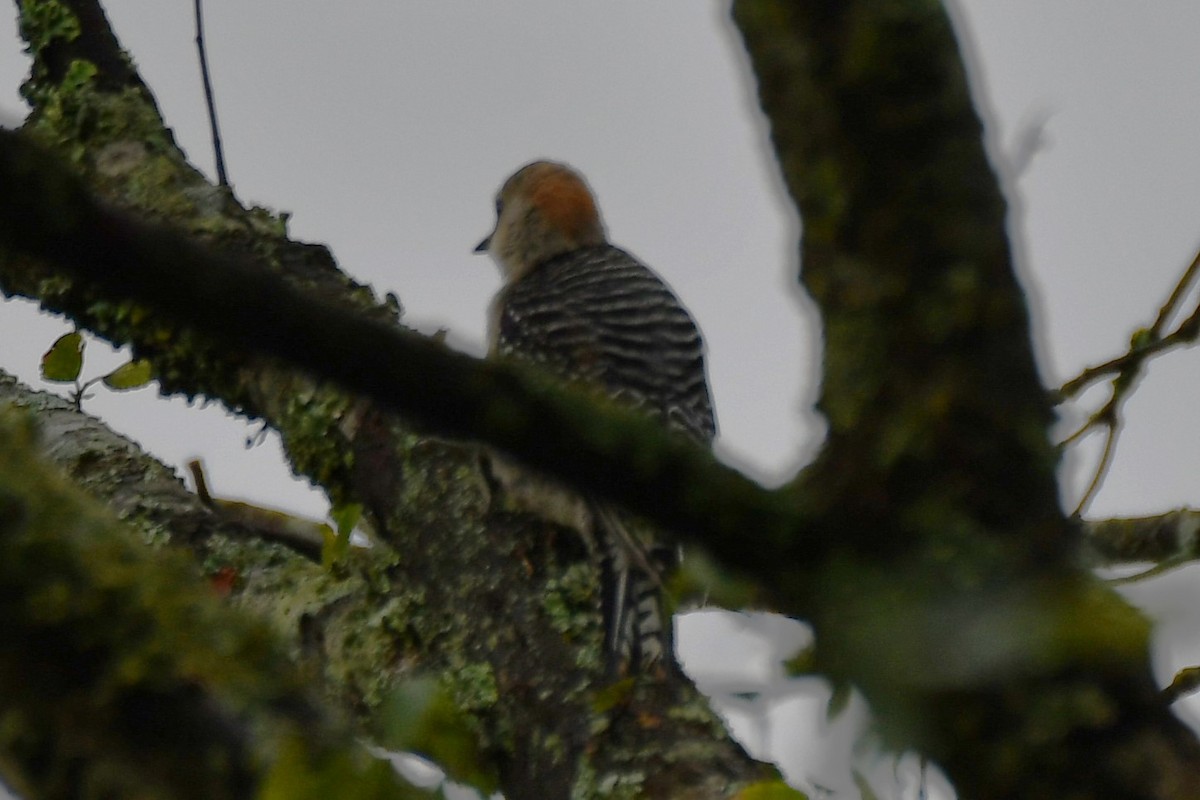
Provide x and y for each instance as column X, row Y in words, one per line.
column 499, row 206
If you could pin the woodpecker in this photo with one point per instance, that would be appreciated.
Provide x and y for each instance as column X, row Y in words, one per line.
column 590, row 313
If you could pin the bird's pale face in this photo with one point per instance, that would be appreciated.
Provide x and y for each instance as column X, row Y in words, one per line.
column 544, row 210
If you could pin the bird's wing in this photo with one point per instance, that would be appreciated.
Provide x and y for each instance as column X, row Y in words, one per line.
column 601, row 317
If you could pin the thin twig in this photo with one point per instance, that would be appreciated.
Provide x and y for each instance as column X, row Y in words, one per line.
column 1172, row 563
column 1154, row 342
column 1181, row 287
column 218, row 152
column 1185, row 334
column 1112, row 421
column 1105, row 417
column 1186, row 681
column 1126, row 370
column 1087, row 427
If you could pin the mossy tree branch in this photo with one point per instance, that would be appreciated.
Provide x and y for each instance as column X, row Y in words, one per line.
column 49, row 214
column 378, row 476
column 1166, row 540
column 122, row 675
column 938, row 472
column 925, row 542
column 528, row 677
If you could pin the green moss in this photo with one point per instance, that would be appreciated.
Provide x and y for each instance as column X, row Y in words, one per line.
column 770, row 790
column 117, row 140
column 43, row 22
column 591, row 784
column 269, row 223
column 697, row 712
column 125, row 626
column 373, row 634
column 309, row 416
column 570, row 601
column 473, row 686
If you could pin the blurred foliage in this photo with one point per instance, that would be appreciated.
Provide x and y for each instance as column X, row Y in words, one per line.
column 770, row 790
column 420, row 716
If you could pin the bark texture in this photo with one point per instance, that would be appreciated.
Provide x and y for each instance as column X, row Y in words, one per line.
column 925, row 542
column 953, row 598
column 499, row 609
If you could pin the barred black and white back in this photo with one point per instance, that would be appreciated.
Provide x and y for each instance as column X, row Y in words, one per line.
column 600, row 317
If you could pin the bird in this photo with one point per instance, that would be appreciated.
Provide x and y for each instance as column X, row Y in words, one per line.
column 587, row 312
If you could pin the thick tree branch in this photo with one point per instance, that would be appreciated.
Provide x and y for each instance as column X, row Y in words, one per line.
column 47, row 214
column 139, row 489
column 72, row 32
column 1171, row 538
column 427, row 380
column 925, row 543
column 531, row 677
column 122, row 675
column 938, row 471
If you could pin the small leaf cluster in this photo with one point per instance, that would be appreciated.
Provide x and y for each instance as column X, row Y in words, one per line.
column 63, row 363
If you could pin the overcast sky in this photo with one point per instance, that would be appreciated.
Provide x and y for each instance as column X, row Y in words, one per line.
column 385, row 128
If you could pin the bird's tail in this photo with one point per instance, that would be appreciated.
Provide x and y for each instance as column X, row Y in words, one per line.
column 637, row 624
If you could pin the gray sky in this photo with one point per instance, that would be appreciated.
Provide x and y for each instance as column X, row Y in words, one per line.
column 385, row 130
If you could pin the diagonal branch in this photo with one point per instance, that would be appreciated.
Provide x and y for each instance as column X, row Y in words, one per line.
column 46, row 213
column 1149, row 342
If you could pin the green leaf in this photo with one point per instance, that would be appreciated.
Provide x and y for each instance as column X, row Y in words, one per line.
column 345, row 518
column 419, row 716
column 770, row 790
column 334, row 548
column 133, row 375
column 63, row 361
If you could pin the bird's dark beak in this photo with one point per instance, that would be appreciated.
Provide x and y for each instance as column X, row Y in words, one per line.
column 483, row 246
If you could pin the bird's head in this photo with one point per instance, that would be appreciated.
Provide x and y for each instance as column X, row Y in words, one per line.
column 544, row 210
